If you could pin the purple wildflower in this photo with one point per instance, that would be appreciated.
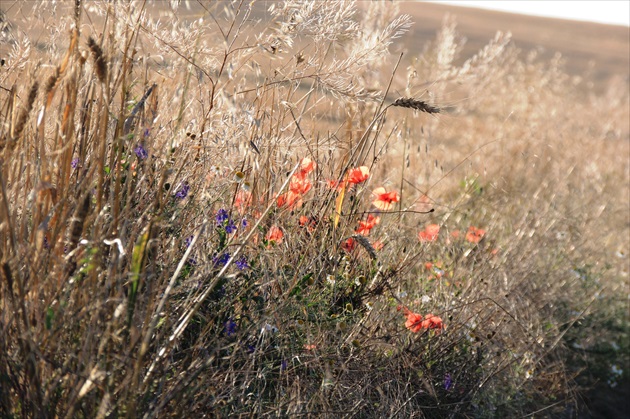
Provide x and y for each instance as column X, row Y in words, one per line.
column 283, row 365
column 242, row 263
column 230, row 327
column 183, row 191
column 230, row 227
column 188, row 241
column 448, row 382
column 141, row 152
column 244, row 223
column 221, row 259
column 223, row 220
column 222, row 216
column 74, row 163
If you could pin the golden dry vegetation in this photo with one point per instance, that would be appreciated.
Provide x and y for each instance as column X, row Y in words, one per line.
column 311, row 209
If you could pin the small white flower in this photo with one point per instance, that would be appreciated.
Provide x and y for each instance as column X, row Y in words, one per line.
column 268, row 328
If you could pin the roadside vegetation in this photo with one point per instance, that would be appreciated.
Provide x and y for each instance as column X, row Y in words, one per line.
column 262, row 210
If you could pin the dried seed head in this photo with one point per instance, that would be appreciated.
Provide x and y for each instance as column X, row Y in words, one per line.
column 405, row 102
column 52, row 81
column 21, row 122
column 99, row 60
column 363, row 241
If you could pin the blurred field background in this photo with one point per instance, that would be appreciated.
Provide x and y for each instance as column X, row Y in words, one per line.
column 180, row 233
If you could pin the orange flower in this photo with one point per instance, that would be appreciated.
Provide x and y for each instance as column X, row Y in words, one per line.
column 291, row 199
column 384, row 200
column 377, row 244
column 274, row 235
column 414, row 321
column 432, row 322
column 474, row 234
column 300, row 185
column 367, row 225
column 306, row 166
column 358, row 175
column 430, row 233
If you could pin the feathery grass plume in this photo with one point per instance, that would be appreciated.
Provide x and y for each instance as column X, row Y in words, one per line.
column 21, row 122
column 99, row 60
column 419, row 105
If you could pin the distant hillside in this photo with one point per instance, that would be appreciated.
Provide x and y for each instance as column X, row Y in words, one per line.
column 604, row 50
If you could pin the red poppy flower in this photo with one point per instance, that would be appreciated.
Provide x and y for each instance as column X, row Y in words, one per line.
column 358, row 175
column 384, row 200
column 291, row 199
column 274, row 235
column 430, row 233
column 474, row 234
column 367, row 225
column 300, row 185
column 306, row 166
column 432, row 322
column 414, row 321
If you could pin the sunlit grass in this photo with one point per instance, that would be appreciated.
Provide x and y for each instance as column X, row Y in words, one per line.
column 228, row 213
